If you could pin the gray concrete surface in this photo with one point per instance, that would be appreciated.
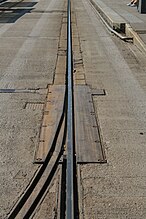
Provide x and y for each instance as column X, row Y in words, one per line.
column 130, row 14
column 28, row 54
column 116, row 189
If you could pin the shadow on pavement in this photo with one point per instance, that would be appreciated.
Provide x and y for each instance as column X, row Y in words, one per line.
column 11, row 12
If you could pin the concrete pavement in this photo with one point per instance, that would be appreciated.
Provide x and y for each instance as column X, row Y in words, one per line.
column 29, row 36
column 115, row 190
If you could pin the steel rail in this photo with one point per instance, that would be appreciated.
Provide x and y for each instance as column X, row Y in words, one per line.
column 18, row 208
column 70, row 168
column 70, row 214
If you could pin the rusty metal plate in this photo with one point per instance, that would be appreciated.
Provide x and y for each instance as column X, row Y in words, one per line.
column 98, row 92
column 52, row 113
column 87, row 136
column 34, row 106
column 33, row 91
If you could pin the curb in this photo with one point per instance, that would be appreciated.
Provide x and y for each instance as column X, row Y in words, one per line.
column 116, row 22
column 136, row 38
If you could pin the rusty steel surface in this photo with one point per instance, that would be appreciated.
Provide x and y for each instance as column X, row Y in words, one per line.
column 89, row 148
column 52, row 114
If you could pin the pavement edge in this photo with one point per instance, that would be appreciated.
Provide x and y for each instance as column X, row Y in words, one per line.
column 116, row 22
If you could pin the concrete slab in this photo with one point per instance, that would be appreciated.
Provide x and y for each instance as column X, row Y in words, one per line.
column 134, row 23
column 28, row 54
column 116, row 189
column 112, row 18
column 139, row 27
column 143, row 36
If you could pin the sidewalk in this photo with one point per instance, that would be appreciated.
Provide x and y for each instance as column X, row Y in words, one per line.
column 117, row 12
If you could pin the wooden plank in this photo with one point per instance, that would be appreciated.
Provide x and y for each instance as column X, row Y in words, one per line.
column 52, row 114
column 88, row 142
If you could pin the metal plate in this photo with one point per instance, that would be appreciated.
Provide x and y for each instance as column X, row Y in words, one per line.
column 34, row 106
column 98, row 92
column 52, row 114
column 88, row 142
